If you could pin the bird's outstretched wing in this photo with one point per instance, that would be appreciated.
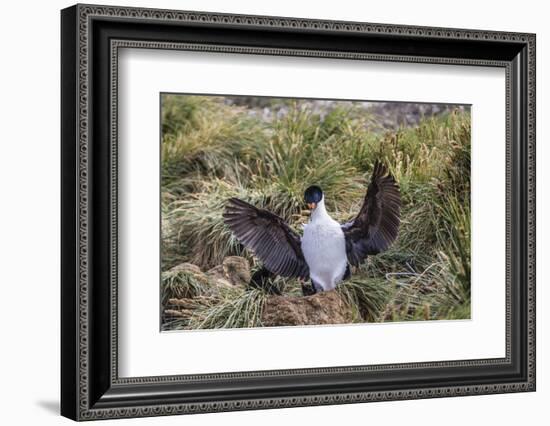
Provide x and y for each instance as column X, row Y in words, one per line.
column 268, row 237
column 377, row 224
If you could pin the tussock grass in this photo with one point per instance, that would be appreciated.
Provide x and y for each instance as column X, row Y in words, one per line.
column 366, row 296
column 212, row 151
column 201, row 304
column 235, row 310
column 179, row 285
column 201, row 135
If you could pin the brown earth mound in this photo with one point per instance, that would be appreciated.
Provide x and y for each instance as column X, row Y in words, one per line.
column 323, row 308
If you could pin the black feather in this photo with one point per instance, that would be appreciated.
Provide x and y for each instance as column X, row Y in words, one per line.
column 268, row 237
column 377, row 224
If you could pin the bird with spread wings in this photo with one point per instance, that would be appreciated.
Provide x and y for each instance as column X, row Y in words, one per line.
column 327, row 248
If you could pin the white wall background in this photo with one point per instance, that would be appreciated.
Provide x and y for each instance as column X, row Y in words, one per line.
column 29, row 211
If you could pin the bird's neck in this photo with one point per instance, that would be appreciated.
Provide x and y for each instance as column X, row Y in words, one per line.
column 320, row 212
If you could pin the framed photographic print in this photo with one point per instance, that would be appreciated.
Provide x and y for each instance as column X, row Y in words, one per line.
column 263, row 212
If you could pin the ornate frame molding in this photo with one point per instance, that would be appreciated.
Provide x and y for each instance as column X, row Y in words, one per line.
column 85, row 406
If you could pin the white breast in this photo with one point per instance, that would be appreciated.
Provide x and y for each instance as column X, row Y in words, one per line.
column 324, row 248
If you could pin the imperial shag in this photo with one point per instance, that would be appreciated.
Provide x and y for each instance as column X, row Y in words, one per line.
column 327, row 248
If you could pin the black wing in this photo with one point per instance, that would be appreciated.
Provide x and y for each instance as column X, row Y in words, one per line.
column 377, row 224
column 268, row 236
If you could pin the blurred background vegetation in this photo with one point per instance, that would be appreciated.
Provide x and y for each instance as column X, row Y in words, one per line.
column 267, row 152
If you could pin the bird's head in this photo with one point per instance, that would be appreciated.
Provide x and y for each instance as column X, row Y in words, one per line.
column 313, row 196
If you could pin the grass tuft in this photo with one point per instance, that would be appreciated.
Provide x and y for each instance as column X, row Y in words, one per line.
column 366, row 296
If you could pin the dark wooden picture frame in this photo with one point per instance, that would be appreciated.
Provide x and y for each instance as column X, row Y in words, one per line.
column 90, row 386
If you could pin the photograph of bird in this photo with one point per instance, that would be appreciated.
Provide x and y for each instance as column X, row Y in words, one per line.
column 327, row 248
